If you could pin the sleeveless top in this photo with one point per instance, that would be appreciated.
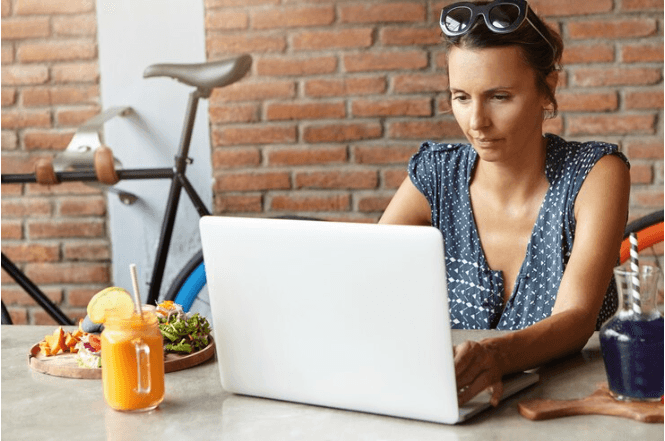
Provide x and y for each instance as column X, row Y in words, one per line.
column 442, row 173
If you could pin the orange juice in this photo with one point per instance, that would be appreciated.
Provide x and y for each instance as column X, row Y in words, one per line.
column 133, row 362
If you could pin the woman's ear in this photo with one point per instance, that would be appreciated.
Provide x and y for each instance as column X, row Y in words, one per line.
column 548, row 106
column 552, row 80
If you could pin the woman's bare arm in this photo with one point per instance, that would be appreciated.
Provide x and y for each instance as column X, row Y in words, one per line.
column 600, row 210
column 407, row 207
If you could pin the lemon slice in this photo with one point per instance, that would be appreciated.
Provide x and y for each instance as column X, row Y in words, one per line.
column 110, row 301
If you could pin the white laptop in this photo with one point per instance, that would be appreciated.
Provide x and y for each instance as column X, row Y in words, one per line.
column 343, row 315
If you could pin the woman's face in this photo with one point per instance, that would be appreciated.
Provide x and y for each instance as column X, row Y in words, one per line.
column 496, row 102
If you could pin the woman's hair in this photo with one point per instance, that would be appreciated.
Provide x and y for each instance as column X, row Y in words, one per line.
column 536, row 52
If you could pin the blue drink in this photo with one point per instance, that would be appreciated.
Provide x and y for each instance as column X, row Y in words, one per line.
column 633, row 355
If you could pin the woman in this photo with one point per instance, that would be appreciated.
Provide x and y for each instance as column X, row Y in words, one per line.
column 511, row 203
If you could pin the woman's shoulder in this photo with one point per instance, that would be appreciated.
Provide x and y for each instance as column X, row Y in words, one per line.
column 572, row 155
column 441, row 150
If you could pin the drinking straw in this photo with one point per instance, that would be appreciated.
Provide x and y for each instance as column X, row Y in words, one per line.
column 635, row 274
column 135, row 282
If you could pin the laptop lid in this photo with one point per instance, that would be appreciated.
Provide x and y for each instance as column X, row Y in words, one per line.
column 343, row 315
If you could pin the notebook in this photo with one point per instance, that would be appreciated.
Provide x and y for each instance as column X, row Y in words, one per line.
column 343, row 315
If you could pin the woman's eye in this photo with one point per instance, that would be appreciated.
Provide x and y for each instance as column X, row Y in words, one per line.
column 501, row 97
column 461, row 98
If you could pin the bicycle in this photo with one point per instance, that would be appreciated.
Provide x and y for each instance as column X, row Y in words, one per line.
column 188, row 288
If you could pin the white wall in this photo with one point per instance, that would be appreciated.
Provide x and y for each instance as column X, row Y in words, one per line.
column 133, row 34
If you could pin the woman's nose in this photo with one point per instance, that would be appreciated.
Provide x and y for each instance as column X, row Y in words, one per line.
column 479, row 118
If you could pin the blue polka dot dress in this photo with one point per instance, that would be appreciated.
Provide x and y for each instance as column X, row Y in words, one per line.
column 442, row 172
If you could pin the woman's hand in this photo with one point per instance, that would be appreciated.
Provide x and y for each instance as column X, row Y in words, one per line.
column 477, row 367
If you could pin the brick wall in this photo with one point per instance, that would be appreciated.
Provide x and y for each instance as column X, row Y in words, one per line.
column 340, row 95
column 50, row 85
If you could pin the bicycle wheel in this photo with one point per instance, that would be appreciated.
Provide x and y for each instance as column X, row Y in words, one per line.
column 649, row 230
column 189, row 289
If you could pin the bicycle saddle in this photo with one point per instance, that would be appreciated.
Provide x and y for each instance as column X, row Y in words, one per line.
column 203, row 75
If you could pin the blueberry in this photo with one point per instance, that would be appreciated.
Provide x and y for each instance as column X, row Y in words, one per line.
column 90, row 327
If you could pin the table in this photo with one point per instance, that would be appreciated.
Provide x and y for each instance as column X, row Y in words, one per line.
column 42, row 407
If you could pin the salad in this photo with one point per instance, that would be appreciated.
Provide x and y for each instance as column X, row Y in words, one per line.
column 182, row 333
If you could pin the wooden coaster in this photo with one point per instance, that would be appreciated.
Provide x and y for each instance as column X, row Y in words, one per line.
column 598, row 403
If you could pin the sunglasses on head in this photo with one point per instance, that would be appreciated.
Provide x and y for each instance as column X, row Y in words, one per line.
column 501, row 17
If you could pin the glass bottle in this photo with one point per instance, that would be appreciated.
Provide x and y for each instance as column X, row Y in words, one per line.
column 133, row 362
column 632, row 340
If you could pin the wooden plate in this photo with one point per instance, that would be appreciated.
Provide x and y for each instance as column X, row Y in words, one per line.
column 64, row 365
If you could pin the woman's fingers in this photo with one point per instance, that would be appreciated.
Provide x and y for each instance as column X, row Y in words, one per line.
column 476, row 369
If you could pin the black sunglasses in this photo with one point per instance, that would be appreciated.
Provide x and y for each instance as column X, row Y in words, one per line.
column 501, row 16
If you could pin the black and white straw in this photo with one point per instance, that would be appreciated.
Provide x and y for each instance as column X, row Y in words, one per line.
column 635, row 274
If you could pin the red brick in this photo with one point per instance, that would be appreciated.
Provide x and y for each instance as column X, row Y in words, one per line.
column 554, row 126
column 370, row 204
column 335, row 39
column 46, row 140
column 226, row 20
column 12, row 190
column 365, row 179
column 65, row 228
column 20, row 28
column 64, row 188
column 410, row 36
column 588, row 53
column 67, row 272
column 652, row 99
column 394, row 178
column 382, row 12
column 82, row 296
column 41, row 7
column 611, row 124
column 88, row 251
column 295, row 66
column 6, row 8
column 24, row 75
column 235, row 157
column 641, row 173
column 76, row 116
column 392, row 107
column 292, row 17
column 345, row 87
column 394, row 154
column 622, row 28
column 25, row 207
column 373, row 61
column 238, row 203
column 83, row 206
column 253, row 91
column 644, row 149
column 7, row 54
column 75, row 25
column 32, row 252
column 18, row 119
column 415, row 83
column 342, row 132
column 596, row 77
column 8, row 97
column 300, row 111
column 585, row 102
column 253, row 135
column 18, row 164
column 427, row 129
column 252, row 181
column 12, row 229
column 647, row 197
column 243, row 3
column 239, row 113
column 558, row 8
column 17, row 296
column 56, row 51
column 640, row 5
column 307, row 156
column 340, row 202
column 82, row 72
column 48, row 96
column 636, row 53
column 238, row 44
column 18, row 316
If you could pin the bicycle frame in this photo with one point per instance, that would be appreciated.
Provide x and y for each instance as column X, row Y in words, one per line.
column 179, row 181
